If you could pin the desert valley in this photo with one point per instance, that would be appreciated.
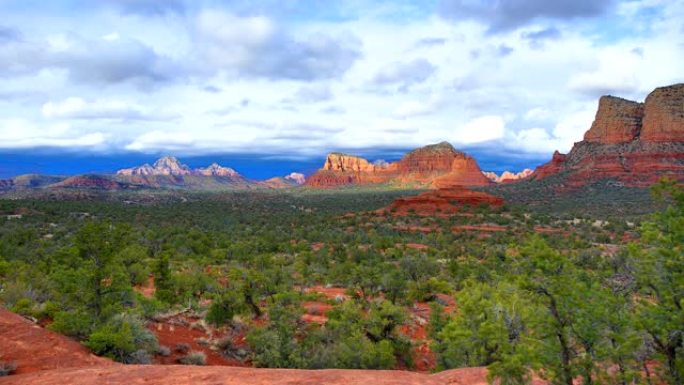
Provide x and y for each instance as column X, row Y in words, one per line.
column 437, row 192
column 424, row 264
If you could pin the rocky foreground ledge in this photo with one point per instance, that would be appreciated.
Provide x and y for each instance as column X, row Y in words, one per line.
column 44, row 357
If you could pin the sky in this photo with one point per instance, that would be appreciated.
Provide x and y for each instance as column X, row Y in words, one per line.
column 269, row 87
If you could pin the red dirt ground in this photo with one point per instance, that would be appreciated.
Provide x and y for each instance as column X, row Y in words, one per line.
column 34, row 348
column 417, row 246
column 178, row 330
column 171, row 375
column 148, row 289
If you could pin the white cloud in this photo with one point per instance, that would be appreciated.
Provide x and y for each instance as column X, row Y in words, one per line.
column 481, row 129
column 413, row 108
column 19, row 133
column 301, row 86
column 78, row 108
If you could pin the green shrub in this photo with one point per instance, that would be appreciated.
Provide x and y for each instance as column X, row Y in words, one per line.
column 7, row 368
column 120, row 338
column 194, row 358
column 111, row 341
column 74, row 324
column 24, row 307
column 139, row 357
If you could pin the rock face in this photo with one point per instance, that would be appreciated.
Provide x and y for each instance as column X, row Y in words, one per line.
column 633, row 143
column 435, row 166
column 507, row 176
column 170, row 172
column 216, row 170
column 617, row 121
column 167, row 165
column 442, row 201
column 664, row 115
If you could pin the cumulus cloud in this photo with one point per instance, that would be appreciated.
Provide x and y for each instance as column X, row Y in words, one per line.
column 20, row 133
column 148, row 7
column 481, row 129
column 78, row 108
column 237, row 79
column 8, row 34
column 607, row 76
column 430, row 42
column 505, row 15
column 413, row 108
column 255, row 46
column 313, row 94
column 108, row 60
column 404, row 74
column 537, row 38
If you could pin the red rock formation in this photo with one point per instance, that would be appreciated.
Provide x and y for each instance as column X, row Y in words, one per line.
column 434, row 166
column 442, row 201
column 617, row 121
column 551, row 168
column 628, row 142
column 664, row 115
column 507, row 176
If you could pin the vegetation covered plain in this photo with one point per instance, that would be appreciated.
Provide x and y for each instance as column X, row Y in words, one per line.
column 322, row 279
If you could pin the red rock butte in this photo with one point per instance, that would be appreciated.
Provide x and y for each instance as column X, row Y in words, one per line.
column 634, row 143
column 44, row 357
column 434, row 166
column 442, row 201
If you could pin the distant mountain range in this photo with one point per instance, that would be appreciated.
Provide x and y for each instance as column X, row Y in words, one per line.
column 167, row 172
column 630, row 143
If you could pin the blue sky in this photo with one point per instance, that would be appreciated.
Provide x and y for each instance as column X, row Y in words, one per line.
column 270, row 87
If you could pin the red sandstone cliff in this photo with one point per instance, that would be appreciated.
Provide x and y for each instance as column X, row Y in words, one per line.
column 435, row 166
column 633, row 143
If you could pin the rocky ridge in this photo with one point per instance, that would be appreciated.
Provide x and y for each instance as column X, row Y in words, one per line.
column 632, row 143
column 434, row 166
column 170, row 166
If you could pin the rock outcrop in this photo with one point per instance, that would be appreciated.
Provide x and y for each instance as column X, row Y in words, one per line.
column 442, row 201
column 288, row 181
column 632, row 143
column 216, row 170
column 434, row 166
column 617, row 121
column 663, row 119
column 170, row 172
column 507, row 176
column 167, row 165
